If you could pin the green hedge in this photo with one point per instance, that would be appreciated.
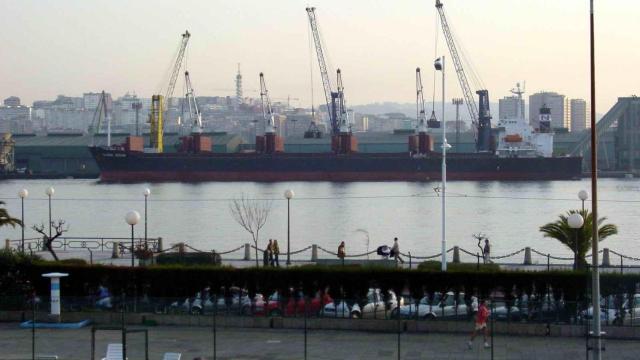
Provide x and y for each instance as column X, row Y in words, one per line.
column 177, row 281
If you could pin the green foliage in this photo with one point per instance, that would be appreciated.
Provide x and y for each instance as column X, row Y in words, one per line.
column 6, row 219
column 72, row 261
column 434, row 265
column 188, row 259
column 561, row 231
column 352, row 282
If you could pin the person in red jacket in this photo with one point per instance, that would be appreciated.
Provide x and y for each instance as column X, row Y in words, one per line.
column 481, row 324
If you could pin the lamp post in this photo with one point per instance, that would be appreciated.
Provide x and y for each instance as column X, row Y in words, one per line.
column 595, row 280
column 575, row 221
column 22, row 194
column 50, row 191
column 132, row 218
column 146, row 193
column 439, row 65
column 289, row 194
column 583, row 195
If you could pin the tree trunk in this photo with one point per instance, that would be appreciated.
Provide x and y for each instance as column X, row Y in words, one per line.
column 255, row 242
column 50, row 249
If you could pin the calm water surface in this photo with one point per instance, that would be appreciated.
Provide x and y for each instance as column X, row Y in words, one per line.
column 509, row 213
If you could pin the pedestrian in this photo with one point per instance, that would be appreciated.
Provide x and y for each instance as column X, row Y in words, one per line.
column 481, row 324
column 276, row 251
column 342, row 252
column 270, row 251
column 486, row 252
column 395, row 251
column 265, row 256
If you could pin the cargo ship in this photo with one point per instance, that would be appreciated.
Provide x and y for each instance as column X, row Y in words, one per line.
column 118, row 164
column 521, row 153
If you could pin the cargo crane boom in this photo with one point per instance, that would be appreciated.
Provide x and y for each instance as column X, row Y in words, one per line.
column 343, row 115
column 481, row 120
column 421, row 116
column 177, row 64
column 159, row 102
column 267, row 112
column 329, row 95
column 194, row 111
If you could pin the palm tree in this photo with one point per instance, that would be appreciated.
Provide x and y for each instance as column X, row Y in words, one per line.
column 561, row 231
column 6, row 219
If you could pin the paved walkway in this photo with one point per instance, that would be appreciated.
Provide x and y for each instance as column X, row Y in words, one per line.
column 246, row 344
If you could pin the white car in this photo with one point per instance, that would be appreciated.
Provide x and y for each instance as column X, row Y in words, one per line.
column 376, row 307
column 341, row 310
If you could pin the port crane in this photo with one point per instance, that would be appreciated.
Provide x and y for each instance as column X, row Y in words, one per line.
column 421, row 115
column 267, row 112
column 194, row 111
column 341, row 107
column 480, row 116
column 159, row 101
column 331, row 96
column 99, row 114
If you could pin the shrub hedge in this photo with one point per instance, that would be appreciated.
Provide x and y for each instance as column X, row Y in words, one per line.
column 177, row 281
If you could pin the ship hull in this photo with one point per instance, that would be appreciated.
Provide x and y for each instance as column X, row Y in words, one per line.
column 121, row 166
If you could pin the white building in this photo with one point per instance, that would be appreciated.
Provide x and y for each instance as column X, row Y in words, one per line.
column 579, row 112
column 510, row 107
column 559, row 105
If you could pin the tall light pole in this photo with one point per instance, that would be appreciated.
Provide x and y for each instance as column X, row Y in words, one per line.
column 146, row 193
column 583, row 195
column 595, row 286
column 439, row 65
column 50, row 191
column 22, row 194
column 132, row 218
column 575, row 221
column 289, row 194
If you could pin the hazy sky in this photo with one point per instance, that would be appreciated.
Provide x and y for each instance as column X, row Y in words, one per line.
column 70, row 47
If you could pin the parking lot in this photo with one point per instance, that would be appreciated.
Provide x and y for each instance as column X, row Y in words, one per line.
column 290, row 344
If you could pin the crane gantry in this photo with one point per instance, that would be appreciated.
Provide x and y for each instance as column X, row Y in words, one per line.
column 480, row 116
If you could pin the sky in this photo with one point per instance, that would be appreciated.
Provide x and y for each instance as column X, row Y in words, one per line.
column 75, row 46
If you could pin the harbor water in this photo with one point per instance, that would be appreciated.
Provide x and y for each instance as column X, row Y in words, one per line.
column 365, row 215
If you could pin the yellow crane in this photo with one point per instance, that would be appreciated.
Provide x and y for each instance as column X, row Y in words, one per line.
column 159, row 102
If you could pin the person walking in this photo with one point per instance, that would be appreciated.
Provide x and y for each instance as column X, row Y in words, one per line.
column 270, row 251
column 276, row 251
column 481, row 324
column 342, row 252
column 395, row 252
column 486, row 252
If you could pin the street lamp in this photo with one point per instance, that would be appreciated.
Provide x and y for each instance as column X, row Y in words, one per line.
column 50, row 191
column 439, row 65
column 583, row 195
column 22, row 194
column 575, row 221
column 132, row 218
column 146, row 193
column 289, row 194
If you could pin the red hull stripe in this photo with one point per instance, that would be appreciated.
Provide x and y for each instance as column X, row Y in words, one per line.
column 197, row 176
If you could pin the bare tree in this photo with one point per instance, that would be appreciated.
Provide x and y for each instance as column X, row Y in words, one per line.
column 251, row 214
column 48, row 240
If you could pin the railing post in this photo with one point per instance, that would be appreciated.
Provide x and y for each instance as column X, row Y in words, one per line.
column 478, row 261
column 160, row 247
column 456, row 254
column 527, row 256
column 605, row 258
column 7, row 244
column 247, row 252
column 548, row 262
column 409, row 253
column 115, row 253
column 314, row 252
column 621, row 265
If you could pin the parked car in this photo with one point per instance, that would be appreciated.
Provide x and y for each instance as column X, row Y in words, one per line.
column 422, row 309
column 374, row 306
column 500, row 310
column 340, row 310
